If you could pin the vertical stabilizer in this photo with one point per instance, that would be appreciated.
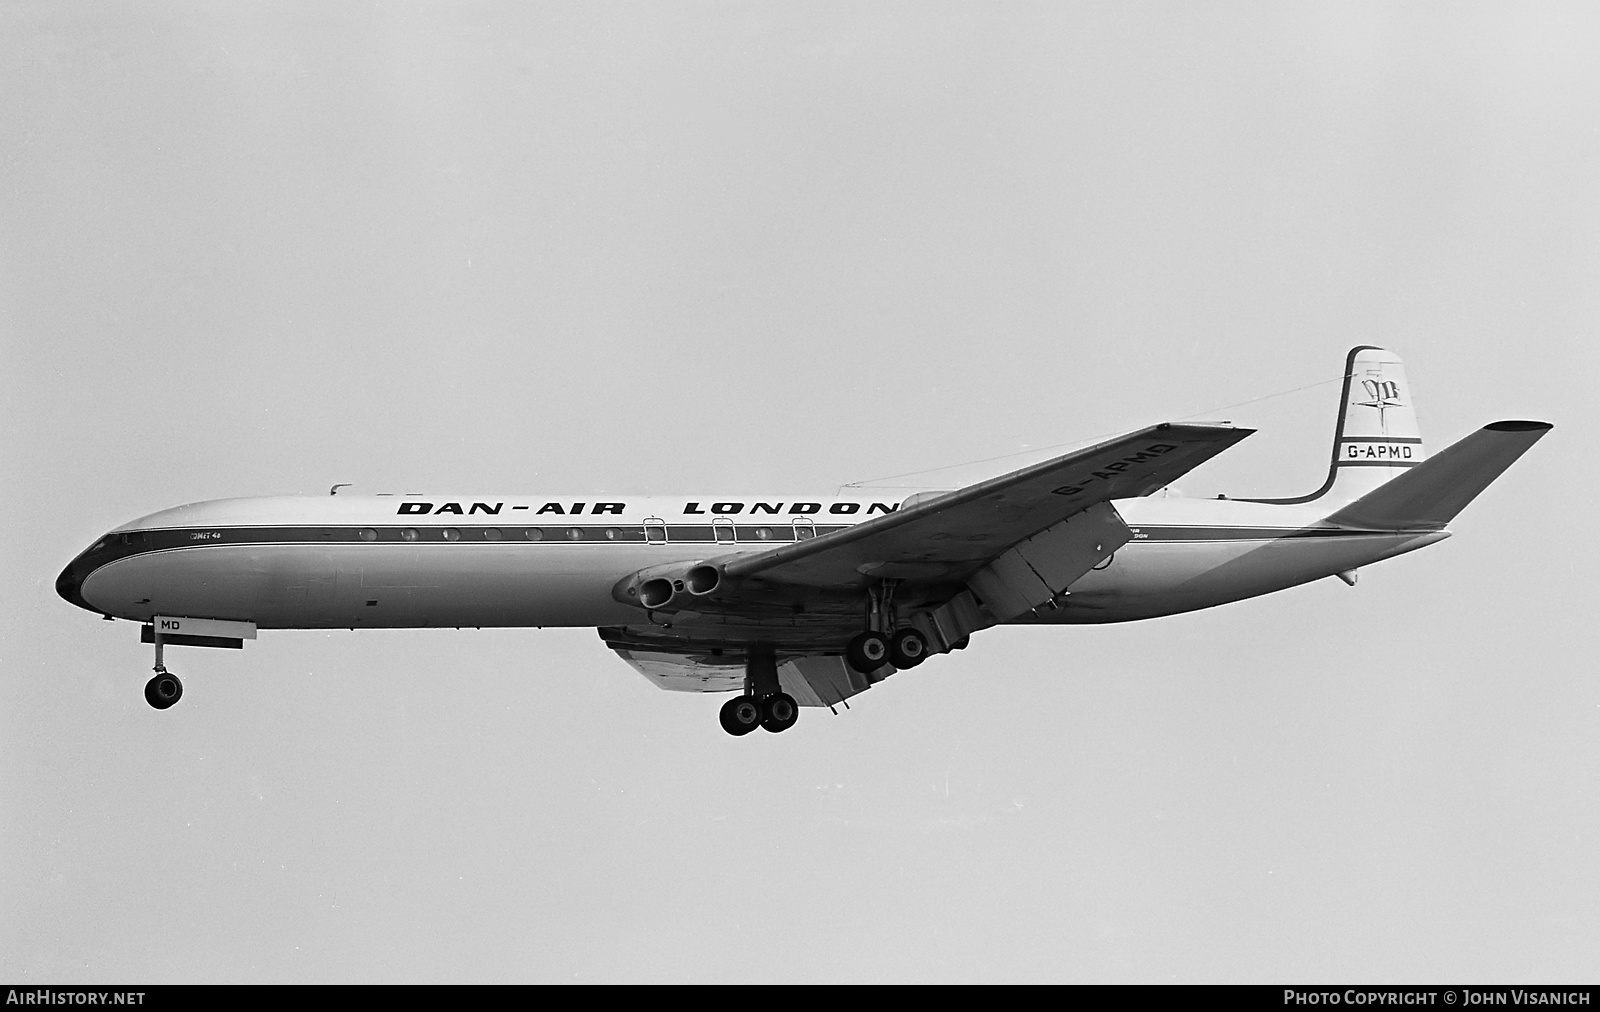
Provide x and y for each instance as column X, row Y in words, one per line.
column 1376, row 438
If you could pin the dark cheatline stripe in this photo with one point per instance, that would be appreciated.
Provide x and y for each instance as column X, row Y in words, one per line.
column 114, row 547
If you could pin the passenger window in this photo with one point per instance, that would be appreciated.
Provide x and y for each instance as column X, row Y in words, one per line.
column 723, row 532
column 533, row 534
column 368, row 534
column 655, row 531
column 451, row 534
column 409, row 534
column 491, row 534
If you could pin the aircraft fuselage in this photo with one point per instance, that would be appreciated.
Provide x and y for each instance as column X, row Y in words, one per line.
column 373, row 562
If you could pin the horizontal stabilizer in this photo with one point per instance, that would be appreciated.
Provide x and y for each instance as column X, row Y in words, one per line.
column 1429, row 495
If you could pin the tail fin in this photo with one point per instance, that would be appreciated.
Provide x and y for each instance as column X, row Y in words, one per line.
column 1430, row 495
column 1376, row 439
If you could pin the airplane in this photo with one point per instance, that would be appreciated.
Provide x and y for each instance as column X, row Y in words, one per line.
column 785, row 601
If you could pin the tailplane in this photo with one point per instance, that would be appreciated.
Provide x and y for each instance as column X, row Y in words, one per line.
column 1430, row 495
column 1376, row 439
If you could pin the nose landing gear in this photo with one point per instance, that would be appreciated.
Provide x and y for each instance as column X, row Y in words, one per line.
column 164, row 689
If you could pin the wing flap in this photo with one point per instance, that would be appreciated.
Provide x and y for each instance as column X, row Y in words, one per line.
column 1038, row 570
column 812, row 681
column 821, row 681
column 683, row 672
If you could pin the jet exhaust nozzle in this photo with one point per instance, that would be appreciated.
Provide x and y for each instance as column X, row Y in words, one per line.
column 703, row 579
column 665, row 586
column 655, row 593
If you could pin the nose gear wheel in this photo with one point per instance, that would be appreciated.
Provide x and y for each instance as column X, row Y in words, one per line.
column 163, row 690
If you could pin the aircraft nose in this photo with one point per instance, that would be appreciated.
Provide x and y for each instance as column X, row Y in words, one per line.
column 70, row 583
column 67, row 584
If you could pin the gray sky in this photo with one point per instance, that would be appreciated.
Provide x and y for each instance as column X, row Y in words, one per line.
column 263, row 248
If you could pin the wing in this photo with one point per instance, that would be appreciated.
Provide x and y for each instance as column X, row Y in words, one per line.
column 950, row 537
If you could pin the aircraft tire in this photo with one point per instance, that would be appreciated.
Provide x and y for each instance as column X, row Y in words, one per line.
column 740, row 715
column 163, row 690
column 779, row 711
column 907, row 649
column 867, row 652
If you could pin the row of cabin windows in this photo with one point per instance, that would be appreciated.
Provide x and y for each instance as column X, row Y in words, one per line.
column 653, row 531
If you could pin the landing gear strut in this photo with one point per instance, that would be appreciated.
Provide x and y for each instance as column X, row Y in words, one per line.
column 764, row 703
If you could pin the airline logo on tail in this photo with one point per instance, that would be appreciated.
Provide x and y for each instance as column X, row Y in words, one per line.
column 1384, row 394
column 1381, row 394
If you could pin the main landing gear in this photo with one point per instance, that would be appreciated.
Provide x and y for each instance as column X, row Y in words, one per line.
column 743, row 714
column 871, row 650
column 764, row 703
